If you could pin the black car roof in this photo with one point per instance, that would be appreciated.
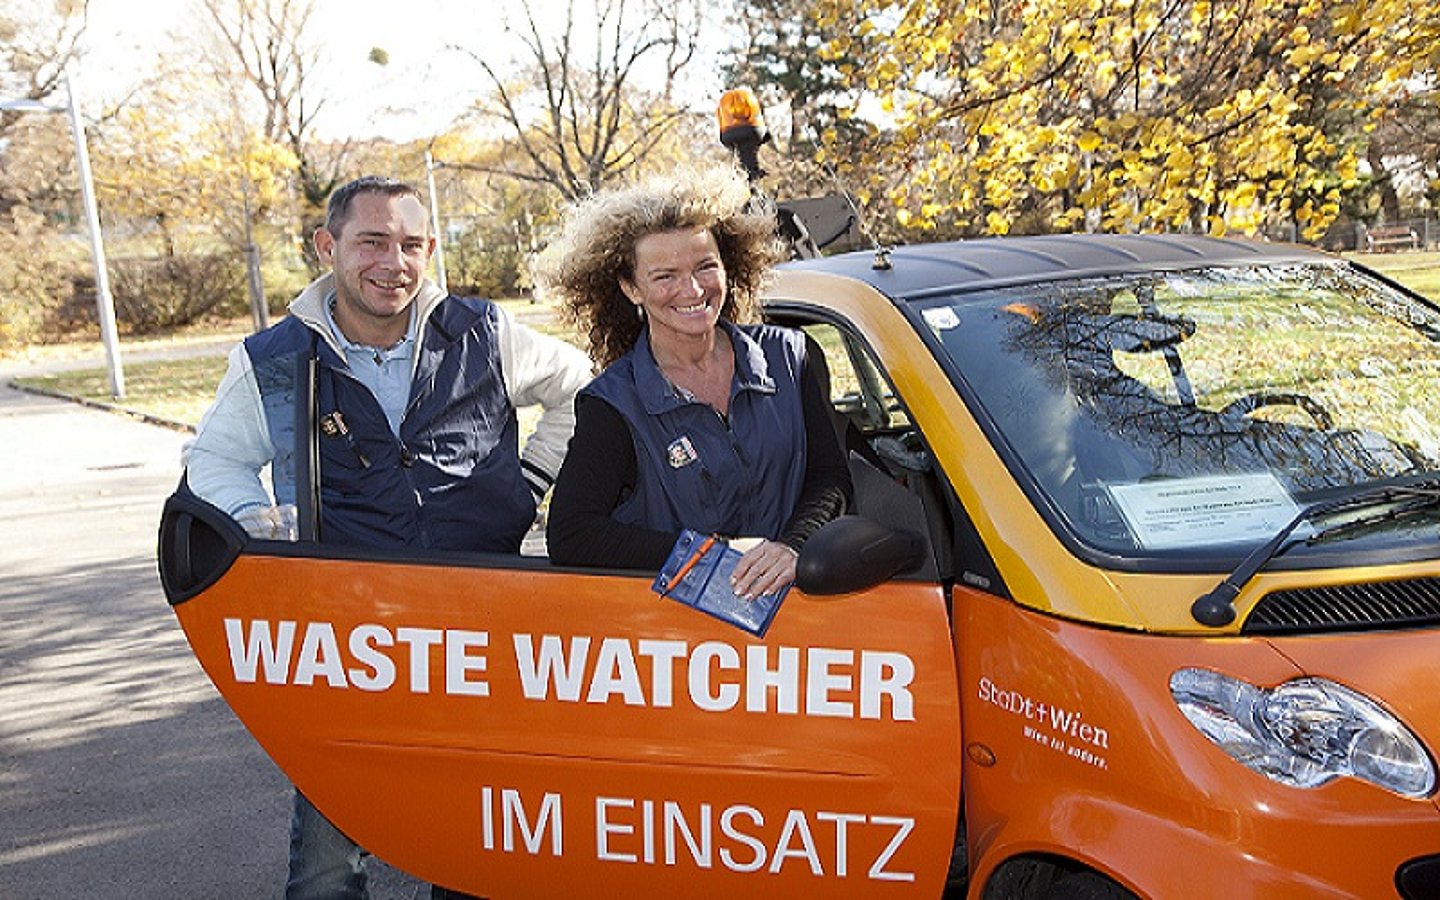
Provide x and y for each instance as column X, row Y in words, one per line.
column 919, row 270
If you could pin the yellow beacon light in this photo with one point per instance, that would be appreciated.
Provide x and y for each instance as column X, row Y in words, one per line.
column 742, row 128
column 739, row 108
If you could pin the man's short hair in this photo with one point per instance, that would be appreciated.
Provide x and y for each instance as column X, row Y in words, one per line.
column 344, row 196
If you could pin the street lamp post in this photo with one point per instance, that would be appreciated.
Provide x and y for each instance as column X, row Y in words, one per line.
column 430, row 167
column 103, row 299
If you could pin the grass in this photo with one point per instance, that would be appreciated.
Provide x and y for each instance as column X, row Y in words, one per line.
column 176, row 391
column 179, row 390
column 1419, row 271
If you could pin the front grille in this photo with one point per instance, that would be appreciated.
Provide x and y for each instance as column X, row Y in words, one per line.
column 1413, row 603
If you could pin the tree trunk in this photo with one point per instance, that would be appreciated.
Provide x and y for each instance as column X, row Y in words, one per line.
column 1385, row 184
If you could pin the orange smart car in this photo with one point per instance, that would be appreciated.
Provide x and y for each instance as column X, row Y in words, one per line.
column 1141, row 598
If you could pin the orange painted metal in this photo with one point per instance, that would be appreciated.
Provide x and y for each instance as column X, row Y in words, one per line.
column 1095, row 762
column 669, row 753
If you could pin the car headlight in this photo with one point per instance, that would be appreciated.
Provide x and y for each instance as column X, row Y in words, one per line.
column 1304, row 732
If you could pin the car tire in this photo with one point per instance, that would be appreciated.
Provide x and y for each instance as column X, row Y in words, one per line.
column 1087, row 886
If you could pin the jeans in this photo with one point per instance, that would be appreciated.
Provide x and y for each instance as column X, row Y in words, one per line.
column 324, row 863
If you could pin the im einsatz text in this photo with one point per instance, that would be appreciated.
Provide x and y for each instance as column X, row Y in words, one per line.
column 737, row 837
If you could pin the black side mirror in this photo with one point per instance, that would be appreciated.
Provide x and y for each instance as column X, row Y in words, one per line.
column 853, row 553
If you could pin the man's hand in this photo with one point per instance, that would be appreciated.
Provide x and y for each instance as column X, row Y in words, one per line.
column 766, row 567
column 270, row 523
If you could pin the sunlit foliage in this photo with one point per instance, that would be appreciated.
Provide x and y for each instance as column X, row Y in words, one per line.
column 1120, row 115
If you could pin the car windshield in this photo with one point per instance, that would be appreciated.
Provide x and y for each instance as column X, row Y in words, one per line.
column 1193, row 413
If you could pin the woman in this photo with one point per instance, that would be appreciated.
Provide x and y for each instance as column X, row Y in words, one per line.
column 698, row 419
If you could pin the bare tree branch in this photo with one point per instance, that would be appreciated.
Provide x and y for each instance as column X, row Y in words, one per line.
column 268, row 41
column 34, row 55
column 581, row 120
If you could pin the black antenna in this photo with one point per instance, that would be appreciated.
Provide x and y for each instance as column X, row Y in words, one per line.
column 882, row 252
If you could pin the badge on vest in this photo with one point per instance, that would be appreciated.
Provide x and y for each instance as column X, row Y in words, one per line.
column 333, row 425
column 681, row 452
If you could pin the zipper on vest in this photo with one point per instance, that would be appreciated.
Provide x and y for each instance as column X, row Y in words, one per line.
column 736, row 446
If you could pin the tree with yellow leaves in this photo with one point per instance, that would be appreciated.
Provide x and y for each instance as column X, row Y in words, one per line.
column 1124, row 115
column 195, row 189
column 198, row 181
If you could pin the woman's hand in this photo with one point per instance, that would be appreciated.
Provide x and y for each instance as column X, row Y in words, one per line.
column 765, row 568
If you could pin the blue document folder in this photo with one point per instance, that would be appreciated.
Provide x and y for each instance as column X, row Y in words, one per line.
column 697, row 573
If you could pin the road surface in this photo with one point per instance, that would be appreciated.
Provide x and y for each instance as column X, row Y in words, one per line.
column 122, row 772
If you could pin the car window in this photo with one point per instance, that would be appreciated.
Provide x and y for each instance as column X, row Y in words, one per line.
column 1184, row 413
column 859, row 391
column 895, row 477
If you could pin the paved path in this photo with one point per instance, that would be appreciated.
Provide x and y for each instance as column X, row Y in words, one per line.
column 92, row 356
column 122, row 772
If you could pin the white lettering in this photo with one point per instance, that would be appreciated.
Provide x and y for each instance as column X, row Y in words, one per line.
column 713, row 676
column 796, row 824
column 886, row 675
column 614, row 825
column 615, row 673
column 727, row 828
column 487, row 817
column 842, row 843
column 320, row 655
column 459, row 662
column 627, row 831
column 662, row 674
column 1068, row 722
column 537, row 674
column 604, row 828
column 675, row 822
column 903, row 827
column 364, row 641
column 784, row 678
column 1061, row 720
column 420, row 641
column 822, row 681
column 703, row 691
column 647, row 817
column 259, row 649
column 513, row 812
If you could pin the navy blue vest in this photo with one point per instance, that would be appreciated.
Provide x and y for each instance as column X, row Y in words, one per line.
column 451, row 480
column 696, row 469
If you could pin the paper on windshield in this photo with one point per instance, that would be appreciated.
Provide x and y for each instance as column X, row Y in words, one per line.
column 1217, row 509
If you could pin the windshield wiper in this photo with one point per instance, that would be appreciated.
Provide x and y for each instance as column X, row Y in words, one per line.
column 1216, row 608
column 1420, row 504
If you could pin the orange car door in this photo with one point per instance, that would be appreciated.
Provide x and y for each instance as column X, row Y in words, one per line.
column 499, row 726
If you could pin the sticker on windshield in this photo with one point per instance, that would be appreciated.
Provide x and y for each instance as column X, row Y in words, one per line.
column 1219, row 509
column 940, row 318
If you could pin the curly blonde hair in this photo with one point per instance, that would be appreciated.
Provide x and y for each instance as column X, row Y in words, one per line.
column 582, row 267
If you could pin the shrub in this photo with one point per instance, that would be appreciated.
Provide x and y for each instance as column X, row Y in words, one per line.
column 33, row 278
column 158, row 294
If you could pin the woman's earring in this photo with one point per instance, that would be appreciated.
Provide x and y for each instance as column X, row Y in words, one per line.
column 639, row 312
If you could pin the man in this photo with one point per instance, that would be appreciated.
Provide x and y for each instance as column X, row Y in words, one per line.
column 415, row 399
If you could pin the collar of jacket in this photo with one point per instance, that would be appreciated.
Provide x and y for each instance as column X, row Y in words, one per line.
column 659, row 396
column 309, row 308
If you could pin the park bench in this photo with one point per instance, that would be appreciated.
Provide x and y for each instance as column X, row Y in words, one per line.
column 1391, row 237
